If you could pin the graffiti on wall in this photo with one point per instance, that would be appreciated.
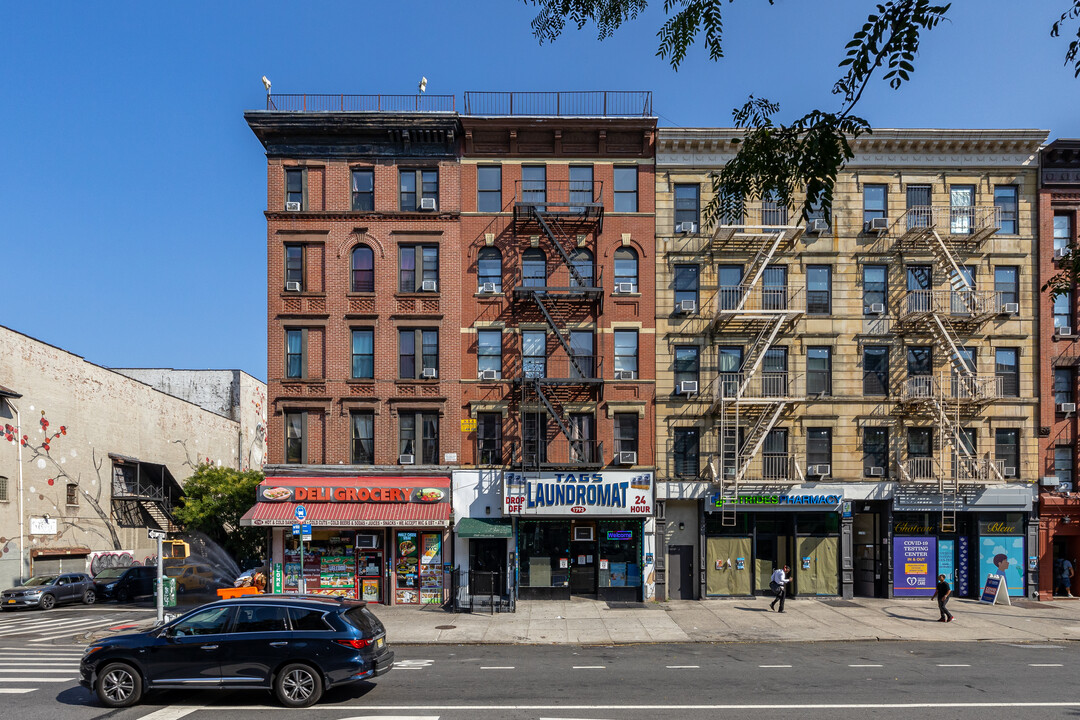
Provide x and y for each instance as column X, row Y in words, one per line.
column 98, row 561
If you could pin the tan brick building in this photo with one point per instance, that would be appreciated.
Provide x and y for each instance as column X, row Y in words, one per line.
column 852, row 396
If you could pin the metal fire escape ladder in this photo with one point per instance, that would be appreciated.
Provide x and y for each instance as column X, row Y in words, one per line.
column 965, row 463
column 538, row 385
column 757, row 435
column 761, row 260
column 729, row 458
column 943, row 334
column 756, row 353
column 944, row 256
column 536, row 296
column 558, row 246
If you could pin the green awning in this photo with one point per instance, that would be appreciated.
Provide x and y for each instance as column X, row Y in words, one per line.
column 484, row 528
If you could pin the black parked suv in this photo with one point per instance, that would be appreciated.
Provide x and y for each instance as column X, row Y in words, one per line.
column 123, row 584
column 296, row 646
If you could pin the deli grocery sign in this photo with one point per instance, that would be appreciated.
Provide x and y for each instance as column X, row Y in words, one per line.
column 606, row 493
column 351, row 494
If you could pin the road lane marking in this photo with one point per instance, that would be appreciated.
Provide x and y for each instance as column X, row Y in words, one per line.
column 15, row 691
column 38, row 670
column 590, row 667
column 40, row 680
column 496, row 667
column 864, row 666
column 683, row 667
column 173, row 713
column 563, row 708
column 774, row 666
column 958, row 665
column 1045, row 665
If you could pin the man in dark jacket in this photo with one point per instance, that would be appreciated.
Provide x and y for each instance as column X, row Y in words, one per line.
column 942, row 594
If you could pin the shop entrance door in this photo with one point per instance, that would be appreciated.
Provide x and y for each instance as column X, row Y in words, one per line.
column 681, row 572
column 773, row 537
column 583, row 561
column 867, row 551
column 487, row 566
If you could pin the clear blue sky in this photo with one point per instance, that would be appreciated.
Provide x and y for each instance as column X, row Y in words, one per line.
column 132, row 228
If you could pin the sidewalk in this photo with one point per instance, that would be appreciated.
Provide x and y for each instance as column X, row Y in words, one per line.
column 741, row 620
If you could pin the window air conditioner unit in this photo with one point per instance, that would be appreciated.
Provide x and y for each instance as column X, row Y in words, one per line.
column 487, row 288
column 1050, row 481
column 428, row 373
column 624, row 374
column 367, row 542
column 688, row 307
column 876, row 471
column 877, row 225
column 1059, row 253
column 428, row 286
column 819, row 470
column 1066, row 407
column 688, row 387
column 1009, row 472
column 685, row 227
column 406, row 459
column 583, row 533
column 292, row 286
column 1063, row 330
column 293, row 206
column 1010, row 308
column 817, row 226
column 624, row 288
column 427, row 203
column 877, row 308
column 626, row 458
column 489, row 375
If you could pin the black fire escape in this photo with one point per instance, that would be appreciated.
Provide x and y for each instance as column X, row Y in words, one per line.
column 555, row 226
column 143, row 494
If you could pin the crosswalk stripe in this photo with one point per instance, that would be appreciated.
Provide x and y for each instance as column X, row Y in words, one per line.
column 53, row 620
column 73, row 624
column 31, row 671
column 15, row 691
column 40, row 680
column 56, row 663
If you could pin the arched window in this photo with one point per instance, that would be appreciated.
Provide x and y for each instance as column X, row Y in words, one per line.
column 533, row 268
column 489, row 268
column 626, row 269
column 363, row 269
column 582, row 261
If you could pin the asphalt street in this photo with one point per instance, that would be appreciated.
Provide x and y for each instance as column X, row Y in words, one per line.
column 722, row 680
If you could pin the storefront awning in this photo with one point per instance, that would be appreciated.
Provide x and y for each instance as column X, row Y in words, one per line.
column 483, row 528
column 405, row 515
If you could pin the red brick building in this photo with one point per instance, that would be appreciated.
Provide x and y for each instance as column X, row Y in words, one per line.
column 1059, row 353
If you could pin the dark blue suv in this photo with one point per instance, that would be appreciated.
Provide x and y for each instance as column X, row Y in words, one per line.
column 296, row 646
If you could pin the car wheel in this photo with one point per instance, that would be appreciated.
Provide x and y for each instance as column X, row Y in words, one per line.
column 118, row 685
column 89, row 597
column 47, row 602
column 121, row 596
column 180, row 589
column 298, row 686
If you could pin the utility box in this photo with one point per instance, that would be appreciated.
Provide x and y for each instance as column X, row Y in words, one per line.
column 169, row 585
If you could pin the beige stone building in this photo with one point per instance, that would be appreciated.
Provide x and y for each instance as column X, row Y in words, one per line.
column 91, row 458
column 852, row 396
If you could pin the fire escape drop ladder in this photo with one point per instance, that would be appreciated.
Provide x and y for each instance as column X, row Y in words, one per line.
column 548, row 230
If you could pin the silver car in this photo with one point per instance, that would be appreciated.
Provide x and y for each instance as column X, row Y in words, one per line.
column 46, row 591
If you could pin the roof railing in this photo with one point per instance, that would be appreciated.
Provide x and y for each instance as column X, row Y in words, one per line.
column 307, row 103
column 589, row 103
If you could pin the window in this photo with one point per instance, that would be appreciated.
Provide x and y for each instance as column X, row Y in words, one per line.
column 363, row 353
column 583, row 351
column 626, row 432
column 918, row 206
column 774, row 292
column 686, row 283
column 416, row 185
column 1007, row 450
column 875, row 371
column 920, row 449
column 818, row 289
column 489, row 188
column 534, row 353
column 774, row 375
column 920, row 361
column 295, row 351
column 626, row 268
column 428, row 342
column 295, row 437
column 875, row 451
column 533, row 268
column 819, row 370
column 213, row 621
column 626, row 353
column 581, row 260
column 583, row 447
column 1007, row 367
column 729, row 360
column 875, row 202
column 1005, row 283
column 534, row 184
column 428, row 422
column 626, row 188
column 294, row 265
column 489, row 438
column 72, row 494
column 819, row 446
column 294, row 187
column 775, row 461
column 1005, row 199
column 489, row 267
column 1063, row 385
column 363, row 269
column 363, row 189
column 687, row 367
column 581, row 186
column 962, row 209
column 729, row 290
column 534, row 437
column 414, row 258
column 687, row 205
column 1063, row 466
column 4, row 497
column 685, row 450
column 1062, row 232
column 489, row 351
column 1063, row 310
column 875, row 287
column 363, row 437
column 773, row 212
column 261, row 618
column 919, row 278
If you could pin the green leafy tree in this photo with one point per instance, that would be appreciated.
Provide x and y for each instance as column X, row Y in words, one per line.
column 215, row 498
column 800, row 159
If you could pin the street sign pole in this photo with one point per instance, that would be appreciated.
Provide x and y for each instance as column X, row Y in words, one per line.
column 160, row 583
column 301, row 586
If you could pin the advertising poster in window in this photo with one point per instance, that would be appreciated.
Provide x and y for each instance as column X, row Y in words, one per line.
column 312, row 571
column 914, row 564
column 431, row 569
column 370, row 590
column 337, row 572
column 1003, row 555
column 406, row 568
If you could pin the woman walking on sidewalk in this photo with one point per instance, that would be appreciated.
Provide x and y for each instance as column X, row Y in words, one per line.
column 942, row 594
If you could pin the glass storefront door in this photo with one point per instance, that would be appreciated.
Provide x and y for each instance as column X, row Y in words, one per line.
column 773, row 550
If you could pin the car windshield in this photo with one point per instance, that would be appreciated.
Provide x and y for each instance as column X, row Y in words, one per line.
column 174, row 571
column 38, row 580
column 110, row 574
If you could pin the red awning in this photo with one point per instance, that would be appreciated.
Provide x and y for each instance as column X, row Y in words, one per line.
column 439, row 482
column 405, row 515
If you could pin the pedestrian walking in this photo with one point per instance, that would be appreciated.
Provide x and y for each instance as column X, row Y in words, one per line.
column 1063, row 571
column 942, row 594
column 778, row 584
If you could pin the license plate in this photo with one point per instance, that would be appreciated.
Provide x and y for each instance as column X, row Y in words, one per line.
column 378, row 643
column 11, row 602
